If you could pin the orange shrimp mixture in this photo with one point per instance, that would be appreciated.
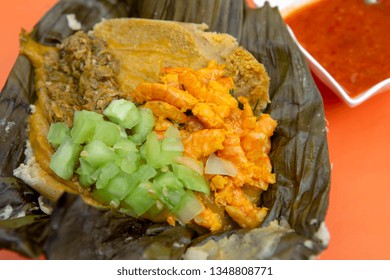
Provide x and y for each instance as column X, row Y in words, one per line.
column 212, row 122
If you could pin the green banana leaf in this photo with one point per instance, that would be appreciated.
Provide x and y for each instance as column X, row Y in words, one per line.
column 297, row 202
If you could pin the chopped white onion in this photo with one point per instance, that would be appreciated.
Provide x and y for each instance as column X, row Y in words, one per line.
column 218, row 166
column 191, row 163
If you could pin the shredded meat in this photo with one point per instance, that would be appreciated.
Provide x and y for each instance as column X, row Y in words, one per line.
column 80, row 74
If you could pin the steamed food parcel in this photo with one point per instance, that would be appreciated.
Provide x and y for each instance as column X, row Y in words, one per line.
column 159, row 120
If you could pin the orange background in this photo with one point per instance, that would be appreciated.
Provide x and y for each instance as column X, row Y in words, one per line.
column 359, row 211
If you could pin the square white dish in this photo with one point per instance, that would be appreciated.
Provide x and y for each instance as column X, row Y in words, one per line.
column 288, row 6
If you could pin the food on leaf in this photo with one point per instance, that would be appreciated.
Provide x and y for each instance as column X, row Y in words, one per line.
column 297, row 202
column 128, row 135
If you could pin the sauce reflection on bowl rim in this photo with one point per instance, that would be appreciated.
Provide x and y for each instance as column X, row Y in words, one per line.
column 287, row 7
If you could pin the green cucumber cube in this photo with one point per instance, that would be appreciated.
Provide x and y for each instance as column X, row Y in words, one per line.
column 57, row 133
column 85, row 181
column 144, row 127
column 64, row 160
column 153, row 150
column 191, row 179
column 116, row 190
column 105, row 197
column 86, row 173
column 172, row 132
column 107, row 172
column 156, row 154
column 168, row 157
column 96, row 153
column 129, row 163
column 172, row 140
column 171, row 145
column 144, row 173
column 168, row 189
column 123, row 113
column 142, row 151
column 84, row 124
column 168, row 179
column 139, row 198
column 124, row 146
column 156, row 209
column 107, row 132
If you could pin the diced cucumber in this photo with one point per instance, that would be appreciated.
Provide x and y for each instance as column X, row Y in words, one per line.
column 174, row 133
column 107, row 172
column 172, row 140
column 142, row 151
column 57, row 133
column 171, row 196
column 156, row 209
column 124, row 146
column 64, row 160
column 130, row 162
column 153, row 150
column 86, row 173
column 158, row 155
column 95, row 175
column 107, row 132
column 120, row 186
column 187, row 208
column 144, row 127
column 168, row 179
column 85, row 181
column 128, row 172
column 84, row 124
column 168, row 189
column 85, row 168
column 123, row 113
column 168, row 157
column 96, row 153
column 191, row 179
column 105, row 197
column 137, row 138
column 169, row 144
column 139, row 198
column 144, row 173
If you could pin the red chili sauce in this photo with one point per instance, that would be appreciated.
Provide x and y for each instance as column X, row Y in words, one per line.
column 349, row 38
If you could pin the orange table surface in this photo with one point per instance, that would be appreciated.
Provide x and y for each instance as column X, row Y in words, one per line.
column 359, row 208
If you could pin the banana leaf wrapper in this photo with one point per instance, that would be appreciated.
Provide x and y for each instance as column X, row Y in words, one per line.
column 297, row 202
